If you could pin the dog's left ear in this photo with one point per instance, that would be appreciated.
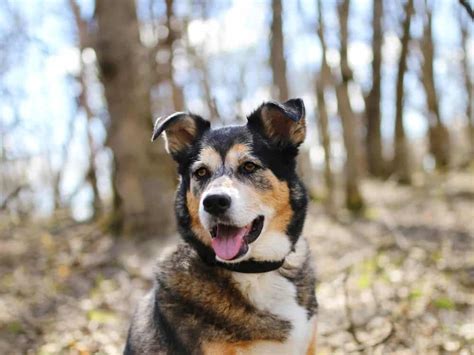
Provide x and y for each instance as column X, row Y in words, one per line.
column 282, row 123
column 181, row 130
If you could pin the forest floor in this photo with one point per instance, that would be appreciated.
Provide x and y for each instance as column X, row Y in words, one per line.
column 397, row 280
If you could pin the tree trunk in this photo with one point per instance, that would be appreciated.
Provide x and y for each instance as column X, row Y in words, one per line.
column 280, row 84
column 91, row 175
column 58, row 175
column 375, row 160
column 438, row 133
column 468, row 84
column 277, row 53
column 401, row 165
column 323, row 120
column 177, row 92
column 143, row 172
column 354, row 200
column 323, row 125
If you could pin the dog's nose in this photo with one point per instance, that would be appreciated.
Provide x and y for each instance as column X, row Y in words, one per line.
column 217, row 204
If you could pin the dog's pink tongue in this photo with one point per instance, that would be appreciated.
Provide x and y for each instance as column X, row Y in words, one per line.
column 228, row 241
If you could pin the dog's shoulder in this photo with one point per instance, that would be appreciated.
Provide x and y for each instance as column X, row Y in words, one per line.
column 151, row 331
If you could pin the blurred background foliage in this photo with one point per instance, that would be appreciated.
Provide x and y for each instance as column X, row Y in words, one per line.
column 387, row 90
column 388, row 159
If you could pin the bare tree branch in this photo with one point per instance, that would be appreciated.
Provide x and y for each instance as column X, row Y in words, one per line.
column 467, row 7
column 11, row 196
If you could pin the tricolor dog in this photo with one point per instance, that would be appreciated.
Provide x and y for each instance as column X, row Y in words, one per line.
column 242, row 282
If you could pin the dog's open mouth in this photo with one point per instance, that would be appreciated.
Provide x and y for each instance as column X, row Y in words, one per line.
column 230, row 242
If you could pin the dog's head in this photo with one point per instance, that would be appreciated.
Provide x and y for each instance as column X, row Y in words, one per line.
column 239, row 196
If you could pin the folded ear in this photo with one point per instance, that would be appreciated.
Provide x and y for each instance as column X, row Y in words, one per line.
column 181, row 130
column 281, row 123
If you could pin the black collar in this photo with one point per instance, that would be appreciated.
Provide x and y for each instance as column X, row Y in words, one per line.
column 247, row 266
column 252, row 266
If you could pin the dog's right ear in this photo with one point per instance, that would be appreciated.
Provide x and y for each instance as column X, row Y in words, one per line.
column 281, row 123
column 180, row 130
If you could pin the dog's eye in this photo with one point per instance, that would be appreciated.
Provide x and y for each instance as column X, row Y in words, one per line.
column 249, row 167
column 201, row 173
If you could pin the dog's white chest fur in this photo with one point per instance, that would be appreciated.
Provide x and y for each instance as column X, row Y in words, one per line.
column 273, row 293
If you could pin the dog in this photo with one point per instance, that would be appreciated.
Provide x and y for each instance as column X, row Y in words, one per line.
column 243, row 281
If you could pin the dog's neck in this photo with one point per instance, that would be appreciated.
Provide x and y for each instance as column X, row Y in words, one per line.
column 252, row 266
column 246, row 266
column 249, row 266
